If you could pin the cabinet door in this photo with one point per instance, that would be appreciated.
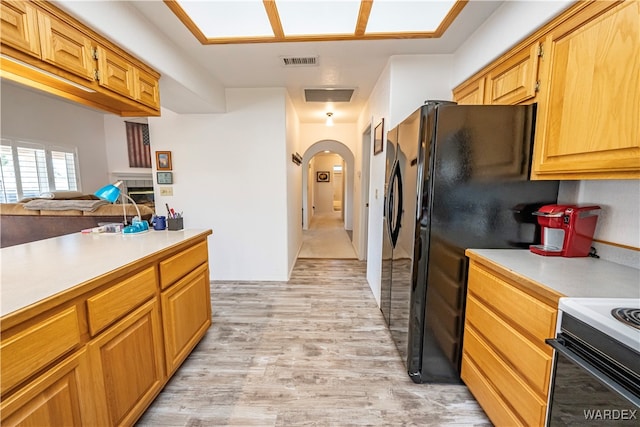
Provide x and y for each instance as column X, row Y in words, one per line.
column 514, row 81
column 146, row 88
column 471, row 94
column 186, row 315
column 60, row 397
column 128, row 366
column 65, row 47
column 589, row 115
column 115, row 73
column 20, row 26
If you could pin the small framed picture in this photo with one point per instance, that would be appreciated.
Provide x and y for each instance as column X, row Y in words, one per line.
column 378, row 138
column 164, row 177
column 323, row 176
column 163, row 160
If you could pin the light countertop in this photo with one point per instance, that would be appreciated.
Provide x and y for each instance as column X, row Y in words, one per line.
column 572, row 277
column 34, row 271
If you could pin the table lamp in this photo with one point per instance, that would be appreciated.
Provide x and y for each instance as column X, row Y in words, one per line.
column 110, row 193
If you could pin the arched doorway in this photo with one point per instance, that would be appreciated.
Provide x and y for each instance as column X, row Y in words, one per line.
column 347, row 174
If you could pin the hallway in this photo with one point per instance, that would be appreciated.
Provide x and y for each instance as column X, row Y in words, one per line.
column 313, row 351
column 326, row 238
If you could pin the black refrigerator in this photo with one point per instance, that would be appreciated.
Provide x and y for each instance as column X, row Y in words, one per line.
column 457, row 177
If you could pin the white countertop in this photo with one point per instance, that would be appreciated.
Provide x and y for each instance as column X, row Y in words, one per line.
column 37, row 270
column 572, row 277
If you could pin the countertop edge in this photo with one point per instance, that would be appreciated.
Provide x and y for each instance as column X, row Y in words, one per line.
column 38, row 307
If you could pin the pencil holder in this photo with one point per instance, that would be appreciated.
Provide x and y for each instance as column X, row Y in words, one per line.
column 175, row 223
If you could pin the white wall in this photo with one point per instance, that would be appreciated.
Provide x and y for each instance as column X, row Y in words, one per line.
column 294, row 186
column 377, row 109
column 39, row 117
column 230, row 175
column 619, row 217
column 415, row 79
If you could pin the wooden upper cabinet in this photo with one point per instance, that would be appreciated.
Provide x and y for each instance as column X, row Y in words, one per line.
column 471, row 93
column 20, row 27
column 45, row 48
column 65, row 47
column 589, row 111
column 514, row 81
column 147, row 88
column 115, row 72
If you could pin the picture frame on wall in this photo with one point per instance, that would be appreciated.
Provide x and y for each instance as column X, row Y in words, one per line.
column 323, row 176
column 378, row 136
column 163, row 161
column 164, row 177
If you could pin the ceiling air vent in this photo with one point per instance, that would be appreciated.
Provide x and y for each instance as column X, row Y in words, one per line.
column 328, row 95
column 299, row 61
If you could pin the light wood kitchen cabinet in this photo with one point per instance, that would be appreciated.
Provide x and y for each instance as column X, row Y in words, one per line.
column 53, row 399
column 472, row 93
column 589, row 110
column 506, row 363
column 583, row 70
column 128, row 366
column 20, row 26
column 48, row 50
column 65, row 47
column 515, row 80
column 186, row 315
column 100, row 352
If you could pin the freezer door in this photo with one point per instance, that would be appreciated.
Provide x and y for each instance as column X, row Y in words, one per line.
column 387, row 245
column 405, row 188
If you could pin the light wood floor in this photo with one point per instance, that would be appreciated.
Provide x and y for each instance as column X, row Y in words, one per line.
column 311, row 351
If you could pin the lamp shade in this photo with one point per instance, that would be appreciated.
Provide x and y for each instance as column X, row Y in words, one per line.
column 109, row 192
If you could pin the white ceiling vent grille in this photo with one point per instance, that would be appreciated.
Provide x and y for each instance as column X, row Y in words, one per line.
column 328, row 95
column 299, row 61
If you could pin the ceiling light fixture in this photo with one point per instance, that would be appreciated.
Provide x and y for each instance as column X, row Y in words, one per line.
column 329, row 119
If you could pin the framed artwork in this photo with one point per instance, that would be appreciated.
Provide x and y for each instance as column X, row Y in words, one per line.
column 323, row 176
column 163, row 160
column 378, row 137
column 164, row 177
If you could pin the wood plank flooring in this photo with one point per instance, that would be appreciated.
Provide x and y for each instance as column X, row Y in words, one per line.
column 311, row 351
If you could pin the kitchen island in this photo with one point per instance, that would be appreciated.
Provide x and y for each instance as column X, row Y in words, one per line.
column 511, row 308
column 94, row 325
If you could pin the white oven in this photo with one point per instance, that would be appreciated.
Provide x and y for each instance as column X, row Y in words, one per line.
column 596, row 372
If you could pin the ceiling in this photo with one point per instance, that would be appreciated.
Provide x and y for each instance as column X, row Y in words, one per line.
column 343, row 64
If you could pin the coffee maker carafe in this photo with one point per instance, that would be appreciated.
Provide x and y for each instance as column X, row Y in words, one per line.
column 567, row 230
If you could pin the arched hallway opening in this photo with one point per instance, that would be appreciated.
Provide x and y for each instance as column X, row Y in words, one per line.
column 328, row 201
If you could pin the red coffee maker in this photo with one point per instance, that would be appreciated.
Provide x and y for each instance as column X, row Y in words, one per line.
column 567, row 230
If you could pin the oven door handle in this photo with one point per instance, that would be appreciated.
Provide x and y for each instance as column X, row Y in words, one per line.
column 558, row 345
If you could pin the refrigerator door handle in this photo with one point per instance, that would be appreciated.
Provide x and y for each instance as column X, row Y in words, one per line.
column 388, row 202
column 395, row 230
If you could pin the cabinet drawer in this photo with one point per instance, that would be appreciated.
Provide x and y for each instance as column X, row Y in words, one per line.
column 491, row 402
column 110, row 305
column 527, row 359
column 524, row 401
column 37, row 346
column 532, row 317
column 179, row 265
